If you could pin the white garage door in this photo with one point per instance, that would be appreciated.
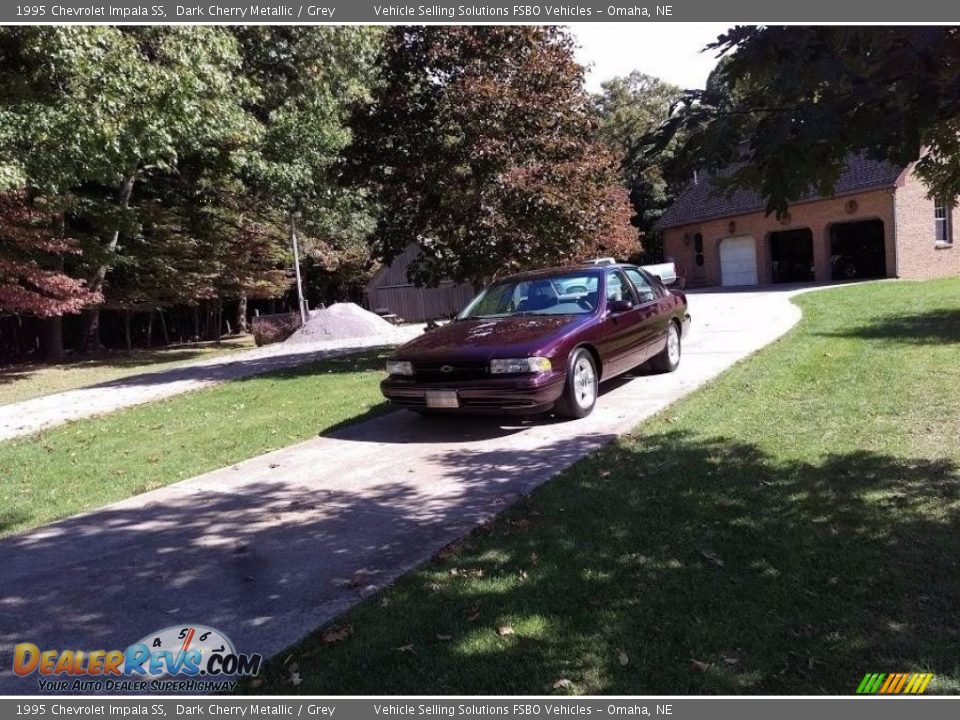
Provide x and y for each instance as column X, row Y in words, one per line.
column 738, row 261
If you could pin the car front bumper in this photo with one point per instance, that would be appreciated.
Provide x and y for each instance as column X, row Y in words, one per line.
column 521, row 395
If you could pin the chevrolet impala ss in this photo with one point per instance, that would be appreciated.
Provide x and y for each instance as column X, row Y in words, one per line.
column 542, row 341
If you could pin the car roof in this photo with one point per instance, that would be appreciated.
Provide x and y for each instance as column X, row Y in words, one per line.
column 586, row 269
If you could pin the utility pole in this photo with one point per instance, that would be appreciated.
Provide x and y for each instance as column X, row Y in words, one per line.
column 296, row 267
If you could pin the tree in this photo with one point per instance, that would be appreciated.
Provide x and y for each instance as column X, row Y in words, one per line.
column 478, row 144
column 99, row 108
column 32, row 280
column 795, row 101
column 307, row 80
column 629, row 109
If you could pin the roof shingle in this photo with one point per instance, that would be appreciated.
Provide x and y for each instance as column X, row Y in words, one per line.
column 701, row 201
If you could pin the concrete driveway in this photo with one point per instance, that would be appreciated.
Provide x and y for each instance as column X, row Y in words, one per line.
column 274, row 547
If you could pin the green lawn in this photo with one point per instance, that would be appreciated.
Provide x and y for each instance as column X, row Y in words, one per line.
column 786, row 529
column 29, row 380
column 90, row 463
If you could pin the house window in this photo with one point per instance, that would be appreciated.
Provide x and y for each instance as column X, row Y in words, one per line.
column 941, row 222
column 698, row 249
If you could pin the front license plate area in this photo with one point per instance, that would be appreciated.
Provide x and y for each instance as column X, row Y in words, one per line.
column 442, row 399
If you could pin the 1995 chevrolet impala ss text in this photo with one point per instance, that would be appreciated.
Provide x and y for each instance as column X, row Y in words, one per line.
column 542, row 341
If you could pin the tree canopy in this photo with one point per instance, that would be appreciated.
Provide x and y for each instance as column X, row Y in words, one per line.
column 629, row 109
column 479, row 144
column 796, row 101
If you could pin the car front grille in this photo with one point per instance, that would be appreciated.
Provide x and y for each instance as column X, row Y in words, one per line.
column 450, row 372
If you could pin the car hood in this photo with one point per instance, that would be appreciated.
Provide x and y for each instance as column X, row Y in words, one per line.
column 484, row 339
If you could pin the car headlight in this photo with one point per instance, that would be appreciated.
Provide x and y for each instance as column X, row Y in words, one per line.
column 519, row 365
column 399, row 367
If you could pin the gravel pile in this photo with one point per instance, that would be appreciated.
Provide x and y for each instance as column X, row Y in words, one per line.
column 341, row 321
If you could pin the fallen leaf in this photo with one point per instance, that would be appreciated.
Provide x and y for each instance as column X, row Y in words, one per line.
column 405, row 648
column 604, row 473
column 256, row 682
column 623, row 658
column 337, row 634
column 433, row 587
column 473, row 614
column 274, row 466
column 444, row 638
column 711, row 557
column 522, row 574
column 700, row 666
column 504, row 630
column 295, row 679
column 448, row 551
column 347, row 582
column 730, row 659
column 562, row 684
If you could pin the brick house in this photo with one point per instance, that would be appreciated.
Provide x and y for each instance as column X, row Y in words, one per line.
column 878, row 223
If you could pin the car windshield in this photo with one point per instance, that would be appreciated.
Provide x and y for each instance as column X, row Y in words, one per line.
column 568, row 294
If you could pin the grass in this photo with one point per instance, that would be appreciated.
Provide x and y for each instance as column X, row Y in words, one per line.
column 786, row 529
column 30, row 380
column 90, row 463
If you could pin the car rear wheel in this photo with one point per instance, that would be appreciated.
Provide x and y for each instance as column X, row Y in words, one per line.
column 668, row 359
column 580, row 392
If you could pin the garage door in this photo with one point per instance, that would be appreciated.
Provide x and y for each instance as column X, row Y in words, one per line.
column 738, row 261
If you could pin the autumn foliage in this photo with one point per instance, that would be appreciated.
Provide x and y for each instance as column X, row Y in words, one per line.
column 30, row 281
column 479, row 144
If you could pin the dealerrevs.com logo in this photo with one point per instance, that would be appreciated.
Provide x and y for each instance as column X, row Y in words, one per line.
column 175, row 659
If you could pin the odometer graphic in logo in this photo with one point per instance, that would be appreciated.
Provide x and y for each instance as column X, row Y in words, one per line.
column 190, row 650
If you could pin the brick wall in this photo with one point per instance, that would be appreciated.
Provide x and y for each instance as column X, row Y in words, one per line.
column 818, row 216
column 918, row 255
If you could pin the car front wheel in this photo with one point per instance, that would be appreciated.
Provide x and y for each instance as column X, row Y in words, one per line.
column 582, row 387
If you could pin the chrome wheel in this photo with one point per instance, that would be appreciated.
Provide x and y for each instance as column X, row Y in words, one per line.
column 673, row 345
column 584, row 382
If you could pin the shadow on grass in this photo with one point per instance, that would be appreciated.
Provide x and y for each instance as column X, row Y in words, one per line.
column 713, row 567
column 934, row 327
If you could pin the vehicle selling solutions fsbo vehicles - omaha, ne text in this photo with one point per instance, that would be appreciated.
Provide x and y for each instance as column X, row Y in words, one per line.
column 542, row 341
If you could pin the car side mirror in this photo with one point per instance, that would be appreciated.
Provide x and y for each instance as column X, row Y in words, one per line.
column 619, row 306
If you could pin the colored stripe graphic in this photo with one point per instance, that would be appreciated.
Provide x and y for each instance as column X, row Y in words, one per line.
column 894, row 683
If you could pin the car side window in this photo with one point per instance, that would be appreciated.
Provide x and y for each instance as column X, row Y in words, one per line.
column 618, row 288
column 645, row 289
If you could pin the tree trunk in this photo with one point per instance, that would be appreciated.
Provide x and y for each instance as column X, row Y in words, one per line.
column 51, row 338
column 241, row 316
column 149, row 337
column 90, row 341
column 126, row 330
column 218, row 316
column 51, row 329
column 163, row 327
column 196, row 322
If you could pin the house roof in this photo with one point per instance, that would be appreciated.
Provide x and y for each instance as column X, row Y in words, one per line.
column 702, row 201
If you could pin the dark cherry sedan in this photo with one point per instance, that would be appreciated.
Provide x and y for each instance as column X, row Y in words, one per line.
column 542, row 341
